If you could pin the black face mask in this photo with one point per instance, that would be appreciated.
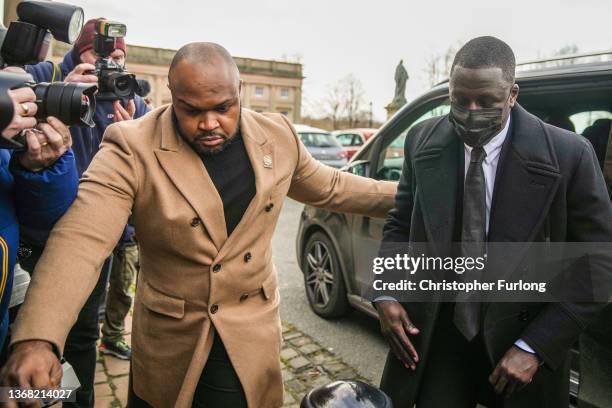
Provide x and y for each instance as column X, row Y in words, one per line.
column 476, row 126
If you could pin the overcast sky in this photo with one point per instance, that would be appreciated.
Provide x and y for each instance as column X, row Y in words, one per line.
column 366, row 38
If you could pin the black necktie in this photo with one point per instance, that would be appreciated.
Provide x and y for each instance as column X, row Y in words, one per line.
column 473, row 237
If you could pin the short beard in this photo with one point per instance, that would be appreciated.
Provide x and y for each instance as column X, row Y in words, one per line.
column 213, row 151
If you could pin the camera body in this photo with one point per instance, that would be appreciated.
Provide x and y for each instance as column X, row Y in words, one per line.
column 114, row 81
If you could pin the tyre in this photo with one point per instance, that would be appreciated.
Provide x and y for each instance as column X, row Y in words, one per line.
column 323, row 278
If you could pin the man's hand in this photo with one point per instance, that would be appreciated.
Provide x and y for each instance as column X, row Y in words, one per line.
column 396, row 327
column 47, row 143
column 122, row 113
column 32, row 364
column 80, row 74
column 24, row 110
column 514, row 371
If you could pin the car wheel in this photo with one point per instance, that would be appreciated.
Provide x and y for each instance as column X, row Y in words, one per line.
column 323, row 279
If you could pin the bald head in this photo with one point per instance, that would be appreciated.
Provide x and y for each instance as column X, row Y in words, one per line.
column 205, row 86
column 207, row 56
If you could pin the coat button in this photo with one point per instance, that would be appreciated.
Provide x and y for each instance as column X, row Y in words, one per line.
column 214, row 308
column 269, row 207
column 195, row 222
column 523, row 315
column 244, row 297
column 217, row 268
column 247, row 257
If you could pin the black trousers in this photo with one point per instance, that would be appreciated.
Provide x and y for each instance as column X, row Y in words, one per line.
column 218, row 387
column 457, row 371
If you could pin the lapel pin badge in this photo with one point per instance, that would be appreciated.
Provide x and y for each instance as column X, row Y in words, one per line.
column 267, row 161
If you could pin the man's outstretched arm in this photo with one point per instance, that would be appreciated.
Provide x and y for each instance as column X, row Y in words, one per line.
column 322, row 186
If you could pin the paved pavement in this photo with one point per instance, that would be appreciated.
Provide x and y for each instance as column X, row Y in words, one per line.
column 305, row 364
column 315, row 351
column 355, row 338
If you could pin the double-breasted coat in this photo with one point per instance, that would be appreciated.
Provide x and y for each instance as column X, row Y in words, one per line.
column 194, row 278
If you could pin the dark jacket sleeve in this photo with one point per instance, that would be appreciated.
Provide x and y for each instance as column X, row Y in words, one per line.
column 41, row 198
column 589, row 219
column 396, row 231
column 397, row 226
column 42, row 72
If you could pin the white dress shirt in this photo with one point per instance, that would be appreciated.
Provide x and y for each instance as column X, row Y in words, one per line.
column 489, row 165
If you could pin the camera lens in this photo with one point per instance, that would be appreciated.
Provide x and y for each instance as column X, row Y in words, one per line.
column 73, row 104
column 122, row 83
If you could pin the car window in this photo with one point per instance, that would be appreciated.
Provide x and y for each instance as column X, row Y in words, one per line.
column 345, row 139
column 391, row 159
column 319, row 140
column 583, row 120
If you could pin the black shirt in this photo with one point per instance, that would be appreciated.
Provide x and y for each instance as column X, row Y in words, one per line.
column 232, row 175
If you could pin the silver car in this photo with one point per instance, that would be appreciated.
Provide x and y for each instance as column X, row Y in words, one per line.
column 322, row 145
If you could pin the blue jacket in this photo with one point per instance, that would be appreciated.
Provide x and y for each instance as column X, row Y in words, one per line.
column 85, row 141
column 32, row 202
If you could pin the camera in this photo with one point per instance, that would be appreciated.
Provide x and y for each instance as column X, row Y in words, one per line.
column 27, row 40
column 114, row 81
column 71, row 103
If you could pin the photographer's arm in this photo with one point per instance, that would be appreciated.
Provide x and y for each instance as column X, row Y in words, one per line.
column 43, row 197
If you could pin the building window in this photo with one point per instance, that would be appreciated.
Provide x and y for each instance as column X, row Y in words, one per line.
column 284, row 93
column 259, row 91
column 285, row 113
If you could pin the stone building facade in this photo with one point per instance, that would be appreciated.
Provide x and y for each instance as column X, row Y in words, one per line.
column 268, row 86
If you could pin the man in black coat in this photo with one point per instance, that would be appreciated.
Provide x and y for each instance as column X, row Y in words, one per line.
column 490, row 172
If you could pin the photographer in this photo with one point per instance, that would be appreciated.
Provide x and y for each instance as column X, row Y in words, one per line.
column 77, row 66
column 36, row 186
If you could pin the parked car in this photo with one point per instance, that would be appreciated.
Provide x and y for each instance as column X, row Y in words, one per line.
column 332, row 248
column 322, row 145
column 353, row 139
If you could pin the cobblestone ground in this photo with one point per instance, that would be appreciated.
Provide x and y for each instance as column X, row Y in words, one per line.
column 305, row 365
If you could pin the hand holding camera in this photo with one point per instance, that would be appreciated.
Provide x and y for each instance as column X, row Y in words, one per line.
column 122, row 113
column 46, row 143
column 24, row 110
column 82, row 73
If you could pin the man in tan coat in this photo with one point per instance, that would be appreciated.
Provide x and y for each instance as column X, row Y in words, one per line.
column 206, row 262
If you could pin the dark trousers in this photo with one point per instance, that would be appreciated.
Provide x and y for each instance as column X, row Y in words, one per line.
column 218, row 387
column 457, row 371
column 119, row 298
column 80, row 349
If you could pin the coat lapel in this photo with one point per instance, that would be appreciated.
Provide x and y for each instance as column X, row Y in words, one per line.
column 527, row 179
column 186, row 170
column 436, row 164
column 526, row 182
